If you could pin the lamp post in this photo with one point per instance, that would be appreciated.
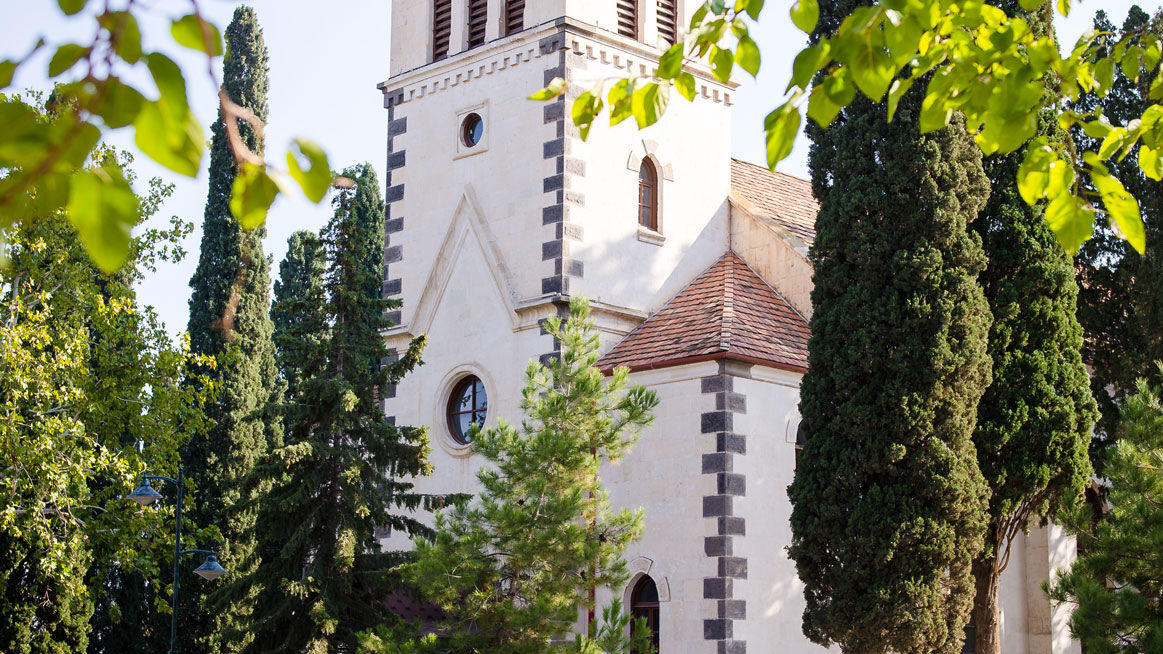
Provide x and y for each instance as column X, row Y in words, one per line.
column 145, row 495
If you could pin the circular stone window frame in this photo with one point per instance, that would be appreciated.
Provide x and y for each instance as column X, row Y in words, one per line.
column 447, row 439
column 468, row 125
column 461, row 147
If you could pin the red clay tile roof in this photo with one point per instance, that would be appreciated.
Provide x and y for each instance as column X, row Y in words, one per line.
column 728, row 312
column 785, row 198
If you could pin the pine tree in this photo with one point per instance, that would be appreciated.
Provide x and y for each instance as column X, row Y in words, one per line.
column 1120, row 302
column 888, row 500
column 1034, row 421
column 1116, row 584
column 229, row 320
column 297, row 312
column 511, row 568
column 345, row 464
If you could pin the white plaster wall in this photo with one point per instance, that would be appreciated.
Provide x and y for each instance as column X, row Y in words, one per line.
column 663, row 475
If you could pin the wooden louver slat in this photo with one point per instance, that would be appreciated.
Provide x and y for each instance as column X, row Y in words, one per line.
column 478, row 15
column 441, row 28
column 628, row 18
column 514, row 16
column 667, row 21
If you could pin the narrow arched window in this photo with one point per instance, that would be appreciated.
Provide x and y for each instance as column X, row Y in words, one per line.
column 514, row 18
column 441, row 28
column 801, row 441
column 668, row 21
column 644, row 605
column 478, row 15
column 648, row 195
column 628, row 18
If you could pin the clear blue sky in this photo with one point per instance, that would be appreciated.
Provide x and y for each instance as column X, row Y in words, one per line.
column 326, row 59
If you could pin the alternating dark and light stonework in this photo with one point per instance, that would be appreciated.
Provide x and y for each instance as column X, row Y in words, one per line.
column 393, row 194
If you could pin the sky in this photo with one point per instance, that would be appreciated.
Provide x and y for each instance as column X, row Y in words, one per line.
column 325, row 61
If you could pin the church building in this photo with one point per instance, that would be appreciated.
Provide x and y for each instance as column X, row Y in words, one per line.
column 696, row 268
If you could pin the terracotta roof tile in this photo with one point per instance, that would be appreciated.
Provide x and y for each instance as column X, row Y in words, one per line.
column 728, row 312
column 785, row 198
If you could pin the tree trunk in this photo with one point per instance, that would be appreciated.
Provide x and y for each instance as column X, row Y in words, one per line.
column 986, row 612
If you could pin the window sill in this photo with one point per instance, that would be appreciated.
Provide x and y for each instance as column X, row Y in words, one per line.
column 647, row 235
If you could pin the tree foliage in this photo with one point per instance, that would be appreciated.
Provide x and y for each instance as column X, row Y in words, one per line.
column 42, row 162
column 1034, row 420
column 1117, row 582
column 92, row 394
column 1121, row 290
column 229, row 320
column 344, row 468
column 889, row 505
column 511, row 568
column 300, row 324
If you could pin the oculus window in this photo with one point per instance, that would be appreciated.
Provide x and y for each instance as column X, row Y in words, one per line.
column 467, row 405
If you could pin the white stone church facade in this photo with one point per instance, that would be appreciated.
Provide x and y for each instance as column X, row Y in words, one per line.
column 696, row 269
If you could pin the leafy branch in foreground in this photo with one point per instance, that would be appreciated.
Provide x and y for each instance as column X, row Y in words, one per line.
column 42, row 162
column 987, row 66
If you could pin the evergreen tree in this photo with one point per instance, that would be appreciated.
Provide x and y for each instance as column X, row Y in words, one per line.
column 889, row 505
column 1034, row 421
column 344, row 467
column 229, row 320
column 297, row 313
column 1116, row 584
column 1120, row 302
column 511, row 569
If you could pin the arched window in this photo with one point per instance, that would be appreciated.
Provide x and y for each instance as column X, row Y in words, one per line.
column 468, row 404
column 644, row 605
column 648, row 195
column 628, row 18
column 801, row 441
column 668, row 21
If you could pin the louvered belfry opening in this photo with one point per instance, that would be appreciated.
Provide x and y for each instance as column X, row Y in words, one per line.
column 441, row 28
column 668, row 21
column 514, row 16
column 478, row 16
column 628, row 18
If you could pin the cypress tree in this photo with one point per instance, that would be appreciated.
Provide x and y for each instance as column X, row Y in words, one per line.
column 297, row 312
column 888, row 500
column 1120, row 302
column 345, row 463
column 229, row 320
column 1033, row 423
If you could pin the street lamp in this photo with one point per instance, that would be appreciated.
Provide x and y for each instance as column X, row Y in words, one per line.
column 146, row 495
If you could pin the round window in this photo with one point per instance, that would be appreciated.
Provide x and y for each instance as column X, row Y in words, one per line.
column 472, row 129
column 467, row 405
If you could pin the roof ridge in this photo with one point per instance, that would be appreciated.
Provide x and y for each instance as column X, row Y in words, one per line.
column 765, row 169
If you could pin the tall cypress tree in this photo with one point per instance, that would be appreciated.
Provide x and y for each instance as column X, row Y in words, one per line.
column 1120, row 301
column 1034, row 421
column 298, row 312
column 345, row 462
column 229, row 320
column 888, row 500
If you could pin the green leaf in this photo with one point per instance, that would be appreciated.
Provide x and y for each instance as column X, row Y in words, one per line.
column 747, row 55
column 193, row 32
column 1151, row 162
column 1034, row 172
column 65, row 58
column 805, row 14
column 902, row 41
column 128, row 34
column 556, row 87
column 251, row 196
column 1071, row 223
column 781, row 127
column 685, row 83
column 807, row 63
column 872, row 70
column 1120, row 205
column 585, row 108
column 830, row 96
column 71, row 7
column 316, row 179
column 721, row 63
column 121, row 104
column 1030, row 5
column 103, row 209
column 1064, row 7
column 7, row 72
column 754, row 7
column 648, row 103
column 176, row 144
column 1131, row 63
column 670, row 64
column 895, row 93
column 619, row 99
